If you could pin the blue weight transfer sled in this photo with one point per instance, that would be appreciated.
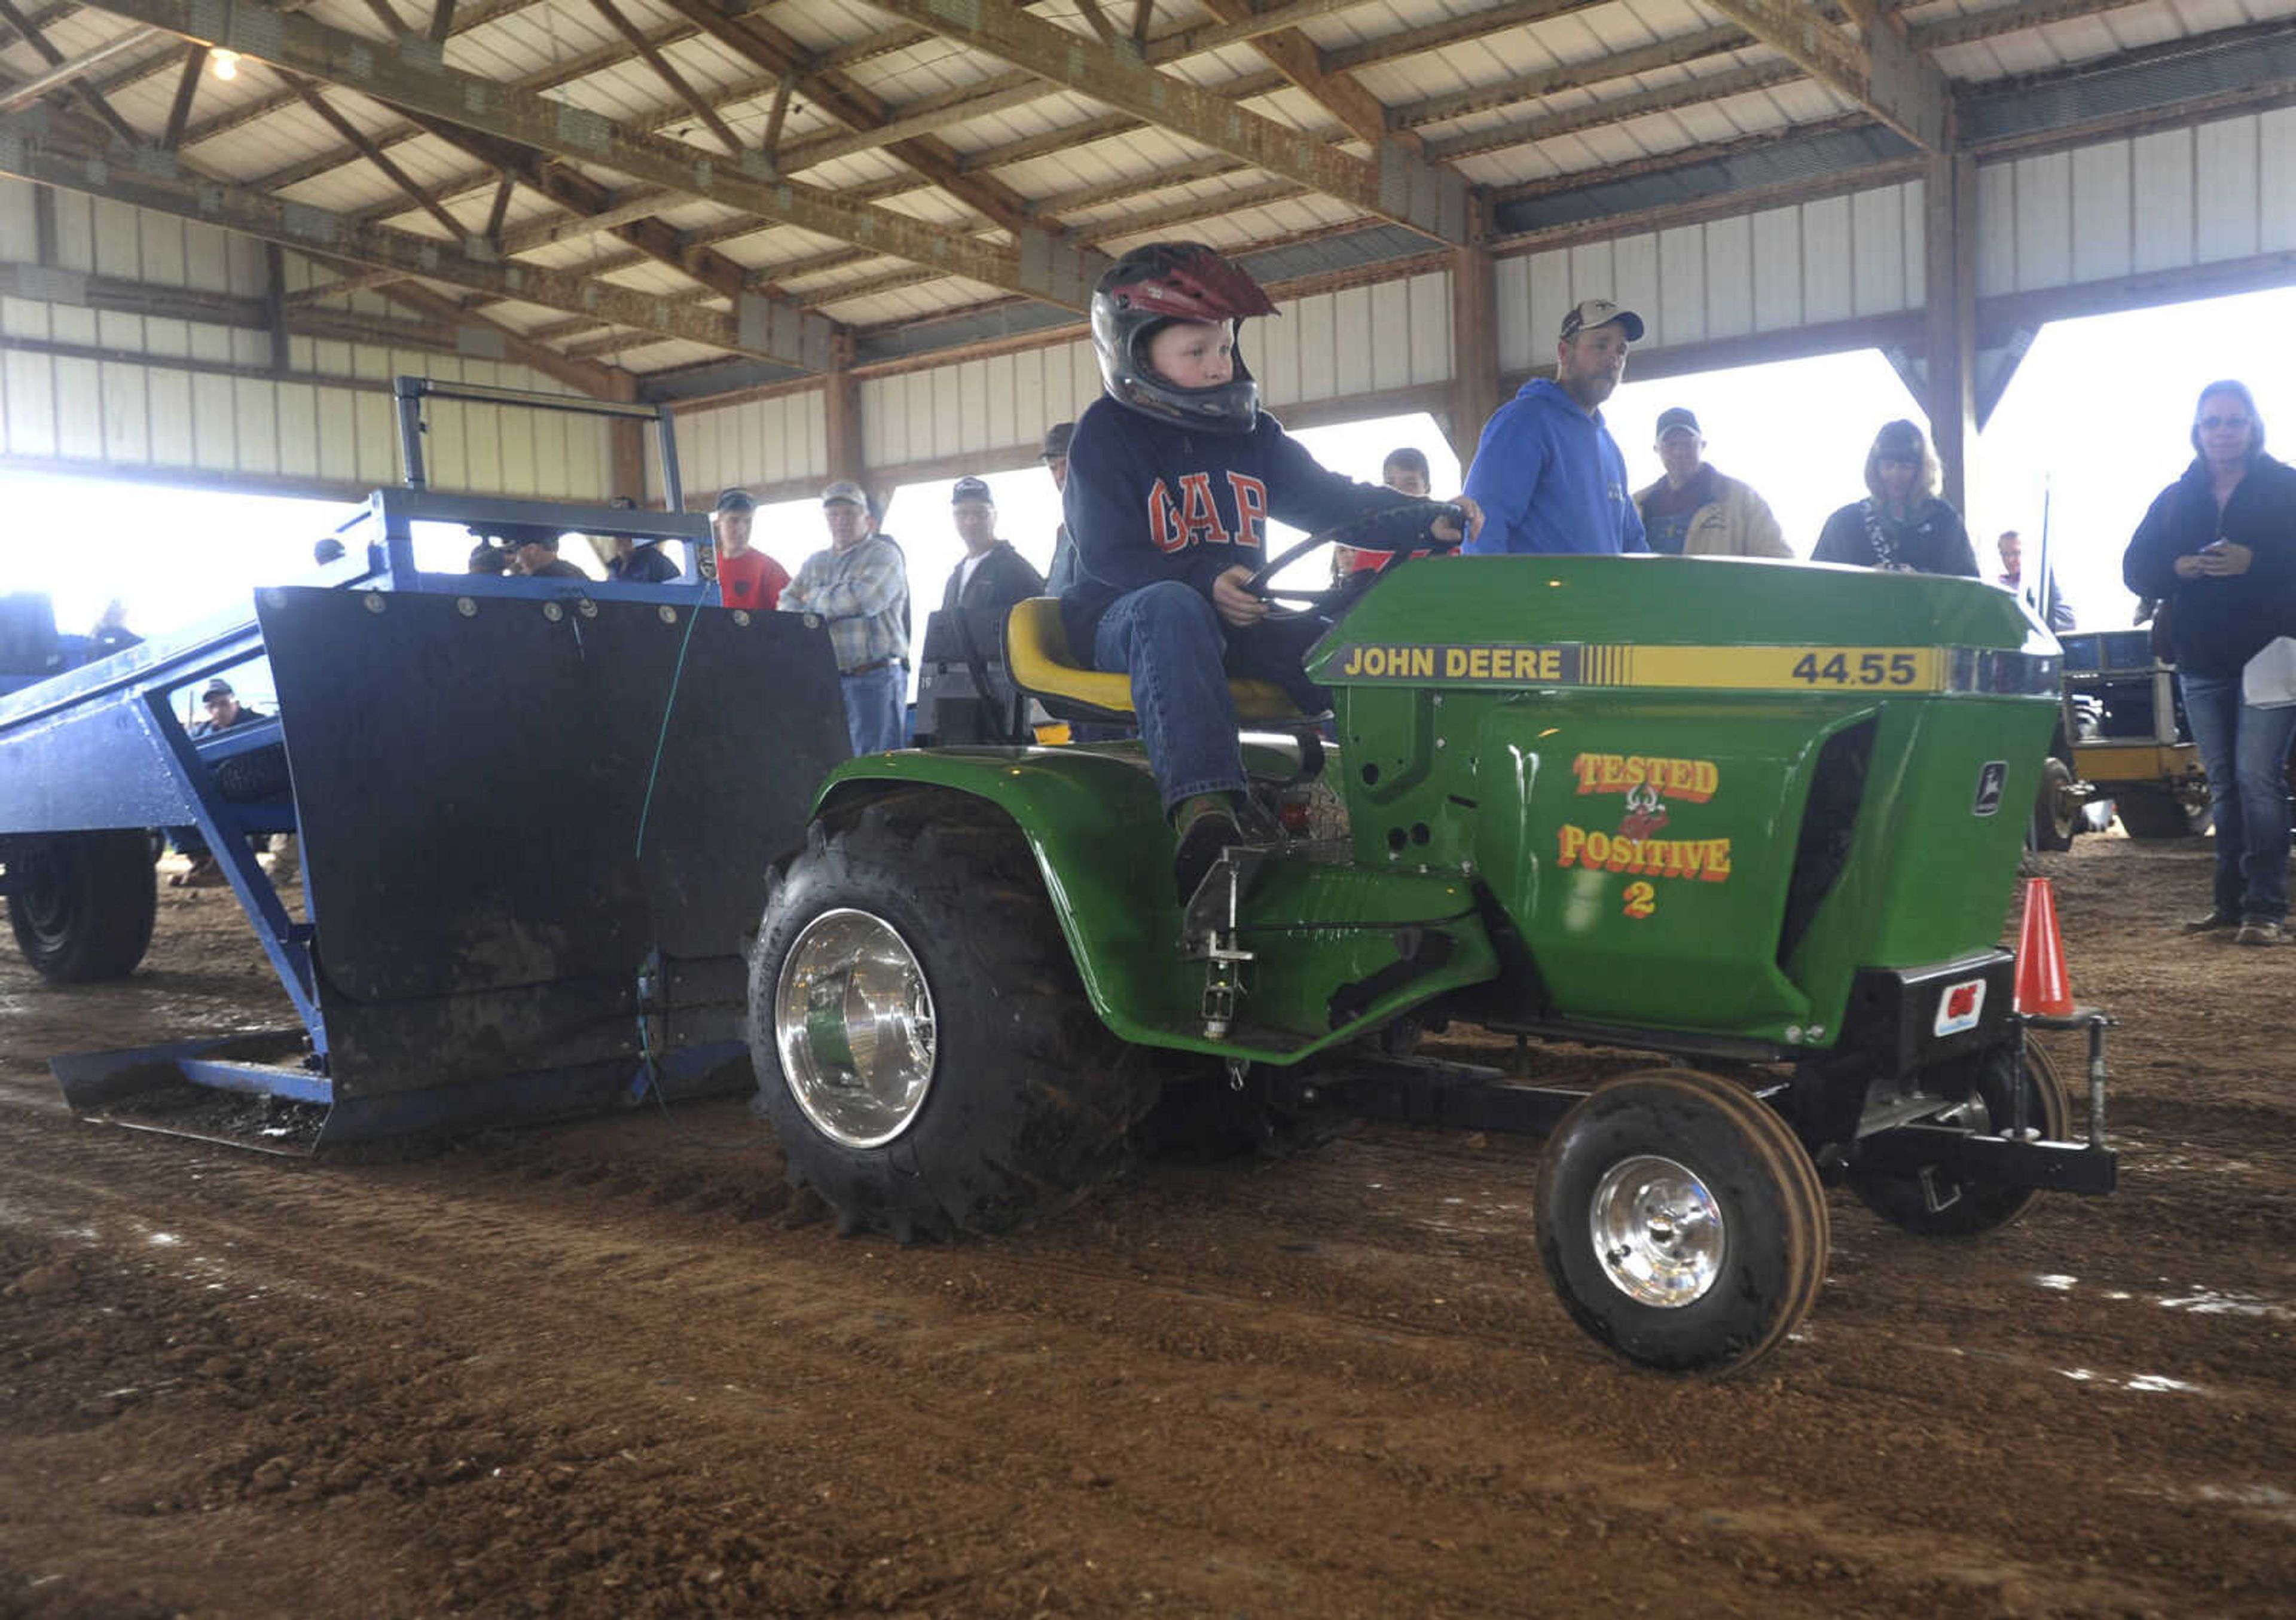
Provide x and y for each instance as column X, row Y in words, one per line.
column 535, row 817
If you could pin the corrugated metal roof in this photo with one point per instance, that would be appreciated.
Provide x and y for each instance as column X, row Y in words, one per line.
column 1622, row 94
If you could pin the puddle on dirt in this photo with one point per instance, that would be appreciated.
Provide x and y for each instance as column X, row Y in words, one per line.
column 163, row 1240
column 2143, row 1383
column 2056, row 1280
column 2210, row 1302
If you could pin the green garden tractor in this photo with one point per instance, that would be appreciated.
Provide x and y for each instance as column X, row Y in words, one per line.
column 1759, row 821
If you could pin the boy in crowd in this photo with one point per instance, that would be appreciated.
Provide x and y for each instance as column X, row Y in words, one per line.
column 1172, row 477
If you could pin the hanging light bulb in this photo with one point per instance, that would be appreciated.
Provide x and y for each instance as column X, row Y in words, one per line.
column 225, row 64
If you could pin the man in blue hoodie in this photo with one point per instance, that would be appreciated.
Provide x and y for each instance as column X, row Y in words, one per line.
column 1548, row 474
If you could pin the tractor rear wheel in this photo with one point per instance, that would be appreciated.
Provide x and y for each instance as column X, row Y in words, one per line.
column 923, row 1047
column 82, row 904
column 1905, row 1200
column 1681, row 1220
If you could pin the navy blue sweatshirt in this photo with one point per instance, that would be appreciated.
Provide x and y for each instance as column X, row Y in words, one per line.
column 1149, row 500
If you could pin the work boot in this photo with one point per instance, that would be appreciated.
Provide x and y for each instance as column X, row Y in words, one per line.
column 2215, row 922
column 1206, row 825
column 202, row 874
column 2258, row 931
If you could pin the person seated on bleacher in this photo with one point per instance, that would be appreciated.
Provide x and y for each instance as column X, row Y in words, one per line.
column 1172, row 478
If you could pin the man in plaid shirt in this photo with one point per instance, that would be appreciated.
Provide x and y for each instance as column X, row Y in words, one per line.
column 860, row 587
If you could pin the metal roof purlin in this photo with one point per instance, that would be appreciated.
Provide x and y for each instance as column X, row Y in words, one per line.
column 148, row 179
column 411, row 75
column 1904, row 88
column 1400, row 185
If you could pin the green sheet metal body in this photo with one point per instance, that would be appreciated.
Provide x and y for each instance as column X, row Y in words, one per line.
column 1621, row 753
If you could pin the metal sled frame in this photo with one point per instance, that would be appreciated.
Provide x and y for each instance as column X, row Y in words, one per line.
column 534, row 829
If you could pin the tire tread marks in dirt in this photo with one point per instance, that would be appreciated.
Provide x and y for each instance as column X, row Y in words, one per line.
column 1032, row 1098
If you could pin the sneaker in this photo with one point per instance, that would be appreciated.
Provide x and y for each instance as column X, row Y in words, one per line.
column 2256, row 931
column 1207, row 826
column 2215, row 922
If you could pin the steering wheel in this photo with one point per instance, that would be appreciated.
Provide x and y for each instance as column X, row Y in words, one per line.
column 1397, row 530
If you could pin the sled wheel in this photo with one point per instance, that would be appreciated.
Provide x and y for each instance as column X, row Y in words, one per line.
column 83, row 903
column 1681, row 1221
column 2056, row 819
column 923, row 1047
column 1904, row 1200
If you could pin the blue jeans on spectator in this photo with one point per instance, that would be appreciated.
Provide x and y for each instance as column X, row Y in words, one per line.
column 2245, row 750
column 873, row 708
column 1171, row 641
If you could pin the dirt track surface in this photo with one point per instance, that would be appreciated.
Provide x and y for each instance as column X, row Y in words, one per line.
column 607, row 1369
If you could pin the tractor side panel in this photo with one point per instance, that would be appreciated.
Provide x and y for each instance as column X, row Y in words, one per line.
column 1645, row 848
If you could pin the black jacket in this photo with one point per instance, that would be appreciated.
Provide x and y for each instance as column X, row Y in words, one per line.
column 2216, row 624
column 646, row 564
column 1003, row 577
column 1932, row 541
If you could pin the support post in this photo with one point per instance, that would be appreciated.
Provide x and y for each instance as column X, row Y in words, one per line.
column 1949, row 397
column 1474, row 349
column 841, row 404
column 626, row 444
column 274, row 302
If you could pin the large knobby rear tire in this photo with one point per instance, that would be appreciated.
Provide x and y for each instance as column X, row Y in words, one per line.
column 1681, row 1221
column 1901, row 1199
column 1004, row 1097
column 83, row 903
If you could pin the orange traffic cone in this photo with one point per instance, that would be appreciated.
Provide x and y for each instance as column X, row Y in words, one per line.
column 2042, row 988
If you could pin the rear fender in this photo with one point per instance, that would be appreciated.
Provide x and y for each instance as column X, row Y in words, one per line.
column 1095, row 823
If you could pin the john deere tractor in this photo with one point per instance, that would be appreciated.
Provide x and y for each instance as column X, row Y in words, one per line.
column 1759, row 821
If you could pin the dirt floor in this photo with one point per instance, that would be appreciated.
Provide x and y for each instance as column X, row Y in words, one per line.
column 608, row 1368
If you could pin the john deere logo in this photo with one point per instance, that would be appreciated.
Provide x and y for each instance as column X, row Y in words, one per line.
column 1989, row 782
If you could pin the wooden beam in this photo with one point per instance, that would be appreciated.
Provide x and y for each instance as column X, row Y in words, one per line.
column 195, row 64
column 1666, row 98
column 1474, row 349
column 350, row 132
column 417, row 81
column 72, row 70
column 1902, row 87
column 669, row 75
column 1295, row 56
column 1949, row 324
column 32, row 37
column 841, row 404
column 274, row 302
column 161, row 187
column 1400, row 186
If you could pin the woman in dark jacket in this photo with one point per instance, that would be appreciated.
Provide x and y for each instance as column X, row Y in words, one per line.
column 2219, row 546
column 1901, row 524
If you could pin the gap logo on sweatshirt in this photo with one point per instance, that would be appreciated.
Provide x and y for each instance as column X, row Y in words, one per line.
column 1192, row 517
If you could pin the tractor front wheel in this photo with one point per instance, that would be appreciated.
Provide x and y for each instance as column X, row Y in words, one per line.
column 1681, row 1221
column 82, row 904
column 924, row 1050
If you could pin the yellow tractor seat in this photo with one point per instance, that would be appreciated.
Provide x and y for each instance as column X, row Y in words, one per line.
column 1038, row 660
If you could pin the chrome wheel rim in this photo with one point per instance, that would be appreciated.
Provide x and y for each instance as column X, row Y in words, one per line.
column 853, row 1018
column 1657, row 1231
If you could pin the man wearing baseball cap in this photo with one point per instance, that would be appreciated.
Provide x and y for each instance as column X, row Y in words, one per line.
column 746, row 576
column 993, row 574
column 860, row 586
column 1695, row 511
column 1546, row 473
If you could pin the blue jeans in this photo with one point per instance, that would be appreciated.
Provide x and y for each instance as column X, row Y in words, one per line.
column 2244, row 751
column 1168, row 637
column 873, row 706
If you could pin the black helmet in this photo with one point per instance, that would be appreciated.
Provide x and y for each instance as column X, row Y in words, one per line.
column 1174, row 281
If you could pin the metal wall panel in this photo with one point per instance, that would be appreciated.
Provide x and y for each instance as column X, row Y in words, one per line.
column 755, row 443
column 2103, row 237
column 113, row 412
column 2276, row 178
